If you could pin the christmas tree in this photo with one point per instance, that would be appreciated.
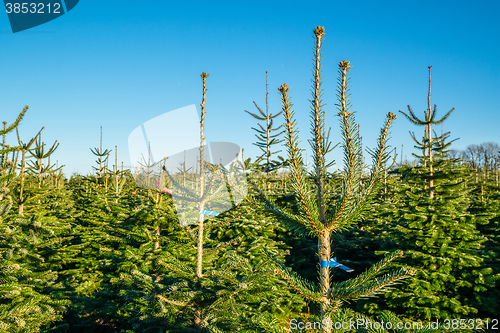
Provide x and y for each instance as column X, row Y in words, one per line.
column 28, row 285
column 320, row 214
column 438, row 232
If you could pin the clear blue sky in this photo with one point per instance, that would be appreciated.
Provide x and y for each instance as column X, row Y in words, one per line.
column 117, row 64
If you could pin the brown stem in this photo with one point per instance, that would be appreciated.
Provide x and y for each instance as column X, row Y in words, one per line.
column 3, row 141
column 116, row 172
column 157, row 234
column 319, row 32
column 201, row 204
column 21, row 175
column 431, row 181
column 268, row 119
column 361, row 156
column 100, row 157
column 324, row 250
column 385, row 182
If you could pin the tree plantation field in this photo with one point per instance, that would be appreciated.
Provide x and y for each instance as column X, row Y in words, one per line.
column 304, row 249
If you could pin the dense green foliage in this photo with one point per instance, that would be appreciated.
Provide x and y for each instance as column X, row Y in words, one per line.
column 103, row 253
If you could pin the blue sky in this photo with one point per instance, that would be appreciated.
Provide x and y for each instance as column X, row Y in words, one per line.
column 118, row 64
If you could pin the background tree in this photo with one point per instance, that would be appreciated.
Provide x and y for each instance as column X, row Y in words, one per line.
column 102, row 157
column 266, row 136
column 26, row 300
column 438, row 233
column 192, row 278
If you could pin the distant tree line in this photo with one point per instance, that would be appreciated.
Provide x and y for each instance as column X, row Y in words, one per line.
column 485, row 156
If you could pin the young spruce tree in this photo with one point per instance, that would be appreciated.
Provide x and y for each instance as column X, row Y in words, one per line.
column 266, row 137
column 27, row 302
column 191, row 281
column 438, row 232
column 319, row 214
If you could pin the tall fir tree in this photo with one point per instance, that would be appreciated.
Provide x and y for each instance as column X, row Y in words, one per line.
column 27, row 284
column 485, row 204
column 317, row 218
column 193, row 278
column 267, row 139
column 437, row 232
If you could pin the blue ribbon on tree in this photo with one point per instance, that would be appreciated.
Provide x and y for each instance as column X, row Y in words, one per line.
column 333, row 263
column 209, row 212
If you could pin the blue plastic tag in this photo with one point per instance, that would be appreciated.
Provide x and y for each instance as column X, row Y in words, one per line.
column 209, row 212
column 333, row 263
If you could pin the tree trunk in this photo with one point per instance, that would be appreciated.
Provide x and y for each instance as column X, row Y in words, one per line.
column 324, row 250
column 431, row 181
column 157, row 234
column 199, row 248
column 21, row 189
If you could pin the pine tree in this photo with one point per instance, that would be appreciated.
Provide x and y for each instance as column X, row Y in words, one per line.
column 36, row 178
column 438, row 233
column 180, row 278
column 314, row 216
column 27, row 302
column 103, row 222
column 374, row 235
column 21, row 197
column 265, row 136
column 484, row 197
column 102, row 158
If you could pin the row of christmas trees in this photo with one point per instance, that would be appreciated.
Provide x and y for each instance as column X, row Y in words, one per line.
column 98, row 253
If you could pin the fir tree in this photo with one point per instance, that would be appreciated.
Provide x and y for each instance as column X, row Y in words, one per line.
column 36, row 177
column 187, row 280
column 27, row 302
column 315, row 217
column 484, row 198
column 102, row 157
column 438, row 233
column 265, row 136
